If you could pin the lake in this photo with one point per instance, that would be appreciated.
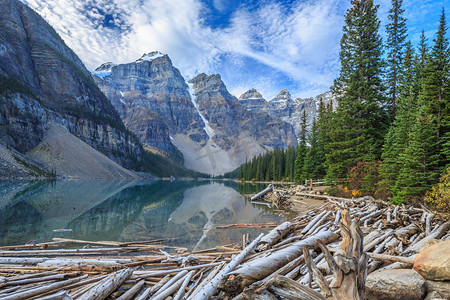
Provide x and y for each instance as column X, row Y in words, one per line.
column 185, row 212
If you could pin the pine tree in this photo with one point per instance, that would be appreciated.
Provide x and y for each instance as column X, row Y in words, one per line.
column 301, row 150
column 420, row 63
column 398, row 137
column 426, row 156
column 396, row 36
column 436, row 92
column 358, row 126
column 314, row 159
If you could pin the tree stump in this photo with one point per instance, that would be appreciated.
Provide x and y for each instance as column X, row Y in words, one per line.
column 348, row 265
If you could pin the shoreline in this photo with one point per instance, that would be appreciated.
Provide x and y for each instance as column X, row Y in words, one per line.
column 390, row 240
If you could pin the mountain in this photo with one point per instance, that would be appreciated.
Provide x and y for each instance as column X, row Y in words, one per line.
column 202, row 120
column 43, row 82
column 284, row 107
column 70, row 157
column 153, row 85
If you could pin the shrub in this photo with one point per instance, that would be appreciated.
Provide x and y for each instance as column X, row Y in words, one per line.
column 364, row 177
column 439, row 196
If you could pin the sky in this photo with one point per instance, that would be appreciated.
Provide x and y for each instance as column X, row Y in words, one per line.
column 267, row 44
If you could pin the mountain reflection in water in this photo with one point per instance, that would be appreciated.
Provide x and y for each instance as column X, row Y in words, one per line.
column 185, row 212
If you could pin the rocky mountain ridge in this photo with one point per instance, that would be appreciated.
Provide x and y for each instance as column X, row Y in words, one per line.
column 284, row 107
column 43, row 82
column 201, row 119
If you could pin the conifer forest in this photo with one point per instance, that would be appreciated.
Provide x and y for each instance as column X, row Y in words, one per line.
column 389, row 135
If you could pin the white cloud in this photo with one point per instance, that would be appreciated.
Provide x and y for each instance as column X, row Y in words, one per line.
column 300, row 41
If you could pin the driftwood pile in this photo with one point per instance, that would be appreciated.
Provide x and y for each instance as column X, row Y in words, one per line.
column 324, row 253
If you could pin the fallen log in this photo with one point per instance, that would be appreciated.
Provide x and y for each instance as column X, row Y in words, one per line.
column 33, row 246
column 38, row 279
column 289, row 289
column 107, row 264
column 106, row 243
column 211, row 286
column 170, row 286
column 436, row 234
column 21, row 277
column 262, row 193
column 313, row 222
column 158, row 286
column 68, row 251
column 61, row 295
column 133, row 291
column 261, row 267
column 171, row 271
column 107, row 285
column 274, row 236
column 207, row 279
column 43, row 289
column 179, row 295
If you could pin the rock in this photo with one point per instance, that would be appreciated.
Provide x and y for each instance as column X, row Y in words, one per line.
column 395, row 284
column 433, row 263
column 441, row 287
column 252, row 100
column 435, row 296
column 428, row 243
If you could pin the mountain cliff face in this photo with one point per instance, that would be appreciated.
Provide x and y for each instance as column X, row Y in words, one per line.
column 284, row 107
column 42, row 81
column 153, row 84
column 229, row 120
column 212, row 130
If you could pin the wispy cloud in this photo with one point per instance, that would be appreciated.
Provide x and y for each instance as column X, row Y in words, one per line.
column 270, row 47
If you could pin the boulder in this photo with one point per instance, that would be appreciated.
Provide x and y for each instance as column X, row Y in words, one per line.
column 428, row 243
column 441, row 287
column 434, row 296
column 395, row 284
column 433, row 263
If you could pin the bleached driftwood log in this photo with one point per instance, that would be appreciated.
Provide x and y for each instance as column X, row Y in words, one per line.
column 289, row 289
column 262, row 193
column 27, row 294
column 133, row 291
column 274, row 236
column 61, row 295
column 211, row 286
column 265, row 265
column 107, row 285
column 435, row 234
column 170, row 289
column 172, row 282
column 179, row 295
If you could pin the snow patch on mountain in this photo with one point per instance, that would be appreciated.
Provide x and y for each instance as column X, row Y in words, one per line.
column 150, row 56
column 209, row 131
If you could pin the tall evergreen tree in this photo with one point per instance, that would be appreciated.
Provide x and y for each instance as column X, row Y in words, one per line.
column 399, row 135
column 436, row 91
column 421, row 61
column 301, row 150
column 426, row 156
column 396, row 36
column 314, row 159
column 357, row 128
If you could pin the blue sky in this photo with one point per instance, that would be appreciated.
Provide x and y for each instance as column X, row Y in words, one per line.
column 267, row 44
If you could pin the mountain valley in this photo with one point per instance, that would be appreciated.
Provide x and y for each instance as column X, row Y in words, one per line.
column 135, row 114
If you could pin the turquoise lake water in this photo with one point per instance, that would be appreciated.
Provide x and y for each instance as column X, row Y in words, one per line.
column 184, row 212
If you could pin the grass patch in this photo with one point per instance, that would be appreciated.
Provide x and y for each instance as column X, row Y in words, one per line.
column 33, row 169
